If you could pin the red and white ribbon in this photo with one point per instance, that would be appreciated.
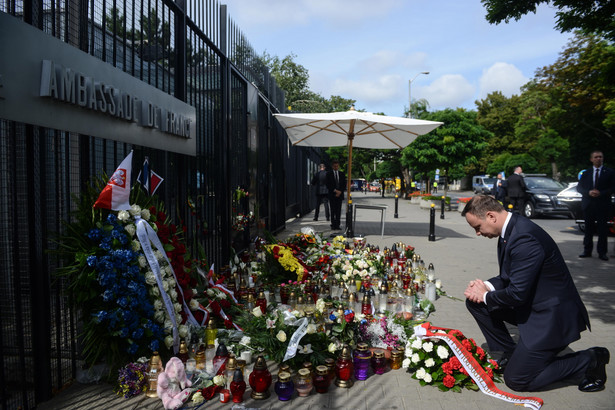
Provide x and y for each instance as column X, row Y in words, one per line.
column 474, row 369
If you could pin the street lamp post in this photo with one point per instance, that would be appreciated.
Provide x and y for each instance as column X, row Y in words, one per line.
column 410, row 92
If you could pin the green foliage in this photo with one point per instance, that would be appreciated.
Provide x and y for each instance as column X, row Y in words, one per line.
column 588, row 16
column 450, row 147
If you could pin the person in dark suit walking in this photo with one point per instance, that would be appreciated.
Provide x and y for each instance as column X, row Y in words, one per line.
column 515, row 186
column 336, row 182
column 596, row 185
column 535, row 292
column 319, row 180
column 499, row 189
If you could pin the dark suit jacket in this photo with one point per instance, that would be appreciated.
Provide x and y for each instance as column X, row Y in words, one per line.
column 535, row 282
column 340, row 186
column 515, row 185
column 606, row 184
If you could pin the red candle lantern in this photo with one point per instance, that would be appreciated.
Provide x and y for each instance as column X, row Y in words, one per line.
column 238, row 386
column 260, row 379
column 344, row 368
column 261, row 301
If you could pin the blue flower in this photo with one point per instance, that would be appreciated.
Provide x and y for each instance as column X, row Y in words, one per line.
column 132, row 349
column 123, row 302
column 108, row 295
column 154, row 345
column 124, row 332
column 91, row 260
column 138, row 333
column 95, row 234
column 332, row 317
column 112, row 219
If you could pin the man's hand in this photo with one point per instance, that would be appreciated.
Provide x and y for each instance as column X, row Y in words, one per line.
column 337, row 192
column 475, row 291
column 594, row 193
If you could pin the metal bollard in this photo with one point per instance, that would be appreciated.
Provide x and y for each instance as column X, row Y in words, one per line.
column 396, row 205
column 442, row 208
column 432, row 223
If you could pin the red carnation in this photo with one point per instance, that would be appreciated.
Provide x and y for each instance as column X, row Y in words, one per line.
column 463, row 371
column 228, row 324
column 468, row 346
column 481, row 353
column 448, row 381
column 490, row 373
column 209, row 392
column 455, row 363
column 447, row 368
column 225, row 304
column 215, row 307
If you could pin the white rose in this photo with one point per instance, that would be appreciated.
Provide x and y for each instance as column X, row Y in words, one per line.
column 154, row 291
column 197, row 398
column 158, row 304
column 159, row 316
column 173, row 294
column 135, row 210
column 257, row 311
column 332, row 347
column 420, row 373
column 245, row 340
column 165, row 286
column 311, row 329
column 142, row 262
column 427, row 378
column 210, row 293
column 168, row 270
column 442, row 352
column 428, row 347
column 194, row 304
column 123, row 216
column 281, row 336
column 438, row 283
column 429, row 362
column 136, row 246
column 168, row 341
column 171, row 281
column 405, row 363
column 130, row 229
column 219, row 380
column 417, row 344
column 183, row 331
column 177, row 307
column 168, row 326
column 145, row 214
column 415, row 358
column 320, row 305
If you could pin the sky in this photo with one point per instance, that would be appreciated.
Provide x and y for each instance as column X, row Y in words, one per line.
column 374, row 51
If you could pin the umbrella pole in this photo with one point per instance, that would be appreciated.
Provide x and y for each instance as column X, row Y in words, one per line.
column 349, row 228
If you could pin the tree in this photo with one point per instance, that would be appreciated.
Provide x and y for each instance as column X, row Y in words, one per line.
column 589, row 16
column 498, row 114
column 450, row 147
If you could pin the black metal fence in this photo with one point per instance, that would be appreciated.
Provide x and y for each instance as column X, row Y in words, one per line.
column 189, row 49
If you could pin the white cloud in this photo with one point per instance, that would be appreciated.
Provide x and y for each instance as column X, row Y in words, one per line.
column 450, row 90
column 502, row 77
column 373, row 90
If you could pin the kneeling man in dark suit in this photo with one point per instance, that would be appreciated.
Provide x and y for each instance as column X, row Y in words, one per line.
column 535, row 292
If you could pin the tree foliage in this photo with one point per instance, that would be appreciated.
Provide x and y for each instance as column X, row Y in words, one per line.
column 589, row 16
column 451, row 147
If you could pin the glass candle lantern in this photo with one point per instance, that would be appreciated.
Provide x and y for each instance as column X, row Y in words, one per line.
column 366, row 305
column 261, row 301
column 219, row 360
column 344, row 368
column 330, row 363
column 396, row 358
column 190, row 368
column 238, row 386
column 284, row 387
column 211, row 333
column 379, row 363
column 200, row 358
column 230, row 367
column 284, row 367
column 260, row 379
column 322, row 379
column 303, row 383
column 153, row 370
column 362, row 357
column 183, row 352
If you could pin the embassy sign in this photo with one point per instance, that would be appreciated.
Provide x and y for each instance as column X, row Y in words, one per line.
column 49, row 83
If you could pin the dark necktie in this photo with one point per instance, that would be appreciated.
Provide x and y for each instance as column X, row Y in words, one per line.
column 501, row 248
column 337, row 180
column 596, row 178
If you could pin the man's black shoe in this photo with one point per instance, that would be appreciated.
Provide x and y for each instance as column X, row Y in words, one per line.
column 503, row 361
column 585, row 255
column 595, row 375
column 604, row 257
column 315, row 219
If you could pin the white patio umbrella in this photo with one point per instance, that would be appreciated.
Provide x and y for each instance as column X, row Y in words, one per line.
column 353, row 128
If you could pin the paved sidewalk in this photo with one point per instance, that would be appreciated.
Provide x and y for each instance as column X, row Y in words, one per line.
column 458, row 256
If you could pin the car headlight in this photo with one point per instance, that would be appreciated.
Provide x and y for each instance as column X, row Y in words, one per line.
column 542, row 197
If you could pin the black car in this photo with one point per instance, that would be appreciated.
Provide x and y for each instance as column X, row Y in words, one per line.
column 541, row 197
column 572, row 199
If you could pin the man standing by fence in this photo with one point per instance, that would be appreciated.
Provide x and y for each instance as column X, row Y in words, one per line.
column 336, row 182
column 319, row 180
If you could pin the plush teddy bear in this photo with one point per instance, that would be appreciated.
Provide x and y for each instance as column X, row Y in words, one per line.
column 173, row 385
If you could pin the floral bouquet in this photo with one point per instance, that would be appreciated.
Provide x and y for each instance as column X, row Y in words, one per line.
column 433, row 362
column 383, row 332
column 132, row 379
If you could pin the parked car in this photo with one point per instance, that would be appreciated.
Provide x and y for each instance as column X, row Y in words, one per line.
column 572, row 199
column 482, row 184
column 541, row 197
column 374, row 187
